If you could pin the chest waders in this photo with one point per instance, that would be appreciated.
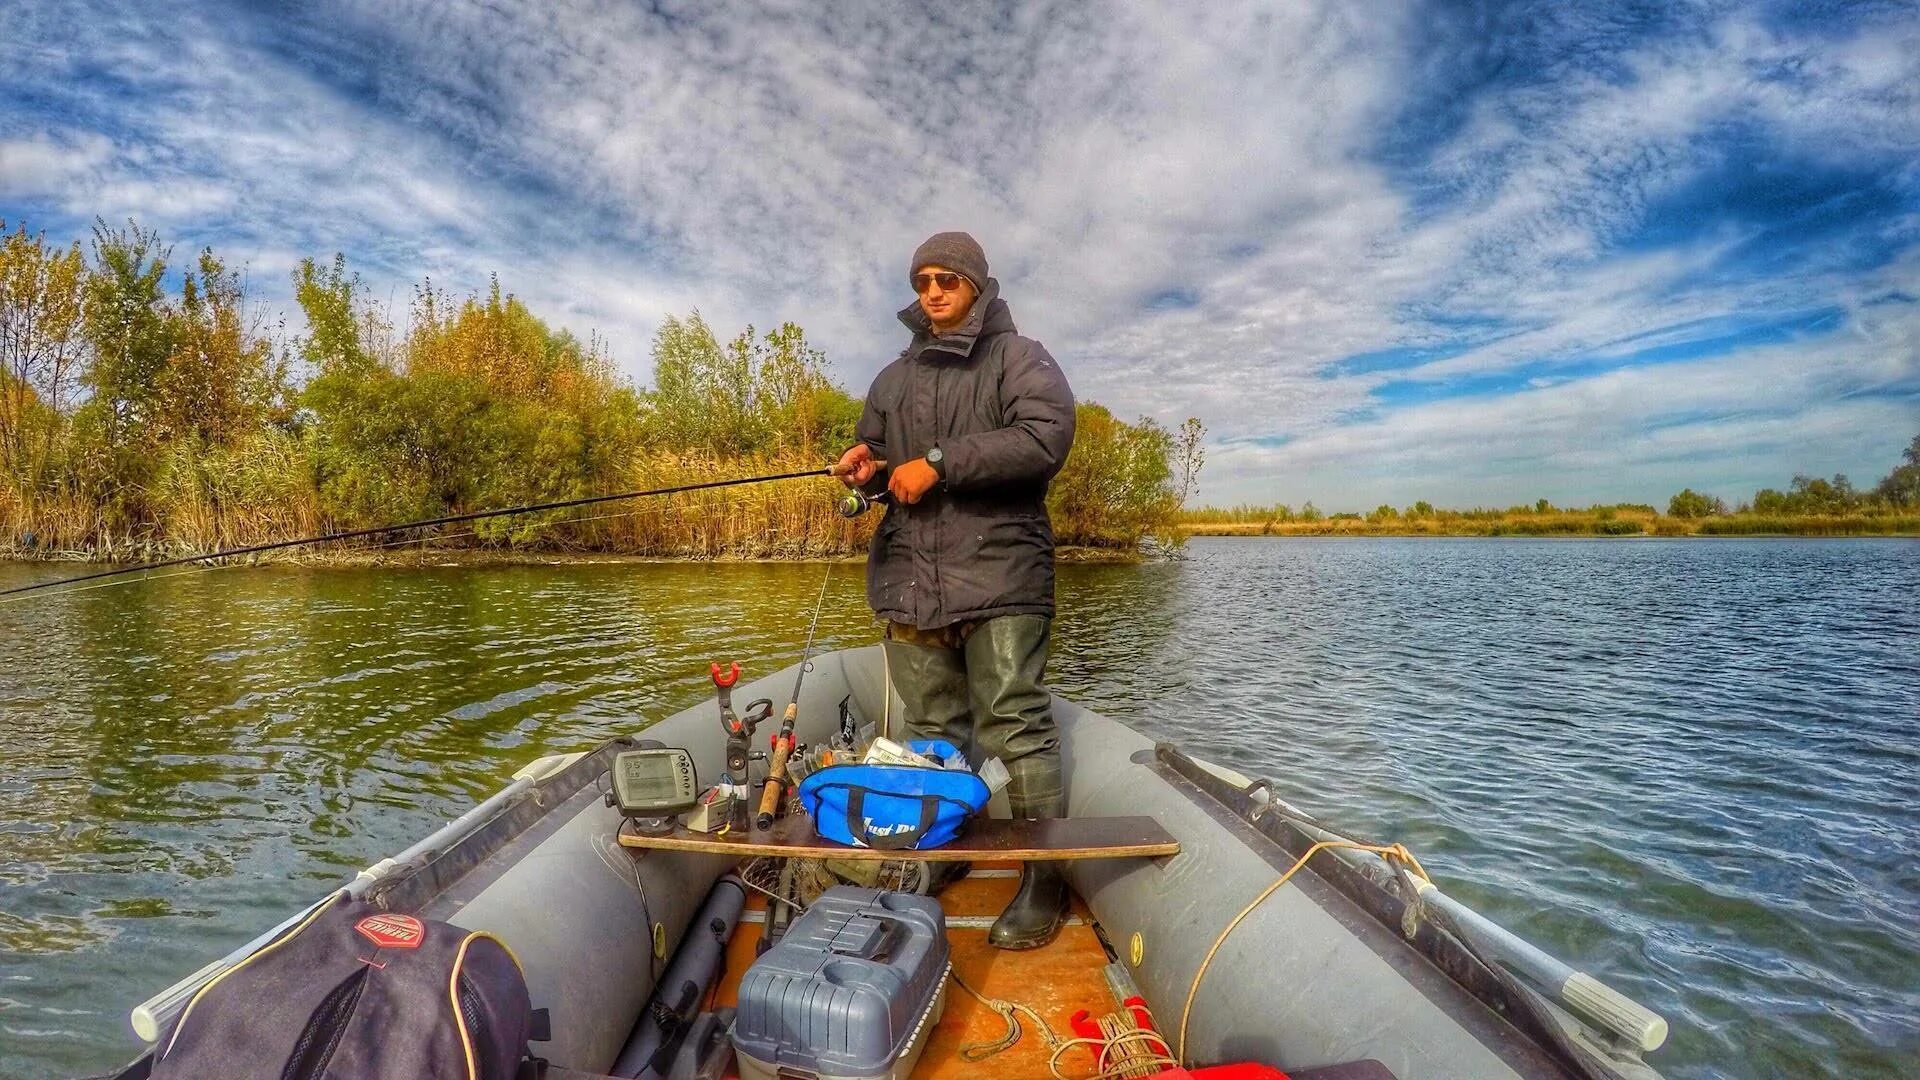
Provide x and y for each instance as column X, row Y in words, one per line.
column 977, row 685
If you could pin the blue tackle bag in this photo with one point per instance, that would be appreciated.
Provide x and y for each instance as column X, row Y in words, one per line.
column 891, row 807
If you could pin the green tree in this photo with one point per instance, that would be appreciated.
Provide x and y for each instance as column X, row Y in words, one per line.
column 797, row 408
column 344, row 333
column 130, row 329
column 758, row 394
column 484, row 405
column 1901, row 487
column 1688, row 503
column 222, row 380
column 42, row 348
column 129, row 326
column 692, row 408
column 1118, row 482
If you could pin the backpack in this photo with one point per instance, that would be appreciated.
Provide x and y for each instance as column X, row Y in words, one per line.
column 355, row 992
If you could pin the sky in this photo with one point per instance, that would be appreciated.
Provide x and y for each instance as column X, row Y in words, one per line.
column 1476, row 254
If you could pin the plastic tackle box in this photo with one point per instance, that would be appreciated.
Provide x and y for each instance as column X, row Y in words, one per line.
column 852, row 990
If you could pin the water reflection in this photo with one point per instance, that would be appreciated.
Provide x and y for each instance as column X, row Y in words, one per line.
column 1686, row 765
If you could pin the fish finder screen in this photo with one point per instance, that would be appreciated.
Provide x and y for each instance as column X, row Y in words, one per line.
column 649, row 782
column 654, row 781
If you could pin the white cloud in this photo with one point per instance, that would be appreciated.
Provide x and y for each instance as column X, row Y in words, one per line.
column 765, row 162
column 40, row 164
column 1635, row 434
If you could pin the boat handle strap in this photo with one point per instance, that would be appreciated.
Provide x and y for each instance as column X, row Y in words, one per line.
column 857, row 822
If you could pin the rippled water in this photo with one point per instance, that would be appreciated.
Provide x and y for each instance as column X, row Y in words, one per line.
column 1688, row 766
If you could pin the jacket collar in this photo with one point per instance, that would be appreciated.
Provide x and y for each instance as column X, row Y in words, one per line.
column 989, row 315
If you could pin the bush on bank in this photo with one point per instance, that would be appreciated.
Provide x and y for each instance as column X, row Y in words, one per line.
column 135, row 420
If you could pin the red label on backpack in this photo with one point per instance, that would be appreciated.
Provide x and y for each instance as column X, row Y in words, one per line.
column 392, row 931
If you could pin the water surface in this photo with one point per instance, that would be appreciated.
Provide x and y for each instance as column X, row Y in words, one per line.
column 1688, row 766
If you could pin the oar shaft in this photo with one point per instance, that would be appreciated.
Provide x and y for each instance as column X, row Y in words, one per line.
column 1586, row 996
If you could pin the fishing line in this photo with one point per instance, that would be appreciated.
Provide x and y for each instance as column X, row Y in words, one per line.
column 8, row 595
column 111, row 584
column 658, row 512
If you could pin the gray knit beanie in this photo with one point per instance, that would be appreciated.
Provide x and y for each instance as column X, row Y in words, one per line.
column 957, row 252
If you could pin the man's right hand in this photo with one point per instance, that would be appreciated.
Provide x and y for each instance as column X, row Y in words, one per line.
column 856, row 467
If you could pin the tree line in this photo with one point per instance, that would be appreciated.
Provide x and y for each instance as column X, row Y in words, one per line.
column 148, row 407
column 1898, row 491
column 1809, row 506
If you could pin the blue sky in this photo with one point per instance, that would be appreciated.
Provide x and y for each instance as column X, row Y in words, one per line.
column 1477, row 254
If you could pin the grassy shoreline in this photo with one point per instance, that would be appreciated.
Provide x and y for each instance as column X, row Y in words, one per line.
column 1575, row 525
column 484, row 557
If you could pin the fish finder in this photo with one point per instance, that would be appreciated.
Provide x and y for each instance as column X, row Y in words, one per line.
column 653, row 785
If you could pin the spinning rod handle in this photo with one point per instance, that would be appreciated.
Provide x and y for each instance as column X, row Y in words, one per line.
column 843, row 470
column 776, row 788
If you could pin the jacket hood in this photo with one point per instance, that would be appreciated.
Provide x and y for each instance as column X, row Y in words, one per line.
column 989, row 315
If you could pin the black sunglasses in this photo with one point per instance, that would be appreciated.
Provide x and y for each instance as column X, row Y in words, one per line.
column 948, row 282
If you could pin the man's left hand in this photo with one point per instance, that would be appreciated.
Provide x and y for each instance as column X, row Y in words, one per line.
column 911, row 481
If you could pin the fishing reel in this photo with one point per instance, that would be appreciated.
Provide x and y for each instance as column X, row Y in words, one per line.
column 855, row 503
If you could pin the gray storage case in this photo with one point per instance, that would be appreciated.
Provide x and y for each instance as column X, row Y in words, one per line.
column 852, row 990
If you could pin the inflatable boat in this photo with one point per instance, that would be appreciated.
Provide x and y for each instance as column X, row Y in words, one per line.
column 1354, row 962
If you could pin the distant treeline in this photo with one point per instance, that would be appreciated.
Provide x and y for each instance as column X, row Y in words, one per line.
column 1810, row 506
column 139, row 418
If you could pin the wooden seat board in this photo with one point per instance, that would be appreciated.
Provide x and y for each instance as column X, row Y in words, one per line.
column 1056, row 839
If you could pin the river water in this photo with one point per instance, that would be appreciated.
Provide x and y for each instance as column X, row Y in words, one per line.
column 1688, row 766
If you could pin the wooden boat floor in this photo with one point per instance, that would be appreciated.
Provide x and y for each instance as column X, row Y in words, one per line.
column 1055, row 981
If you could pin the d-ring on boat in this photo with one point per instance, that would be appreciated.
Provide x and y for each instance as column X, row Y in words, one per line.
column 1356, row 964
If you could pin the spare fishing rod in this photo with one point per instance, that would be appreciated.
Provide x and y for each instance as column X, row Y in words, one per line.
column 776, row 787
column 451, row 519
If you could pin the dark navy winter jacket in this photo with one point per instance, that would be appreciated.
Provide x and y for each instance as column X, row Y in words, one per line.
column 979, row 544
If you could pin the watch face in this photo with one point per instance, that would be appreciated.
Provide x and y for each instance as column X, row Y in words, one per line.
column 934, row 455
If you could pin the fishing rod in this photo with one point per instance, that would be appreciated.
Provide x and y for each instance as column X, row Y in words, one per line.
column 452, row 519
column 776, row 787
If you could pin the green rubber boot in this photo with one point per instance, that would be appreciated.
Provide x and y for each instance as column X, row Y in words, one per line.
column 1034, row 916
column 1013, row 721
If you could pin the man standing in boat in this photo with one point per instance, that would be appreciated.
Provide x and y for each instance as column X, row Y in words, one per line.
column 973, row 421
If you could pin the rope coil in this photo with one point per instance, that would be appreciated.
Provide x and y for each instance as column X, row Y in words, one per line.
column 1390, row 852
column 1124, row 1051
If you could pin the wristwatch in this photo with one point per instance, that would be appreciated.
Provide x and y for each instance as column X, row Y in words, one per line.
column 938, row 459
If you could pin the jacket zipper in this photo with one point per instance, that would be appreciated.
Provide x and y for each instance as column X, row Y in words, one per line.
column 938, row 508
